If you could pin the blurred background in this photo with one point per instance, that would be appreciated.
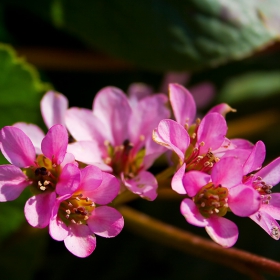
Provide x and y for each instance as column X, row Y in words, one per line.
column 222, row 51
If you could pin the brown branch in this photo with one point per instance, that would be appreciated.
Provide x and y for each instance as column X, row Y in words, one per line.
column 254, row 123
column 72, row 60
column 171, row 236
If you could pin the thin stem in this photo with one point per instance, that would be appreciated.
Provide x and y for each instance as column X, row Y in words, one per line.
column 171, row 236
column 165, row 174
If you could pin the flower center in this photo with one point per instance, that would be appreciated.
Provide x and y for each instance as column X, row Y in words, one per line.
column 76, row 209
column 263, row 189
column 44, row 176
column 193, row 158
column 195, row 161
column 123, row 160
column 212, row 199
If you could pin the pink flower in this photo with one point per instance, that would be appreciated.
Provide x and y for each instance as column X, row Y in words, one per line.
column 45, row 174
column 211, row 196
column 116, row 137
column 198, row 145
column 262, row 180
column 80, row 212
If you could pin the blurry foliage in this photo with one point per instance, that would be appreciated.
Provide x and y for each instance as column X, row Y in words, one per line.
column 189, row 35
column 154, row 35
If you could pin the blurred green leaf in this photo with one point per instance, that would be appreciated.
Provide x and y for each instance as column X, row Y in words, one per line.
column 167, row 34
column 20, row 89
column 256, row 85
column 20, row 94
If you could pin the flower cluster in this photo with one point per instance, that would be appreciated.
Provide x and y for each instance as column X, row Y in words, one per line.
column 216, row 174
column 89, row 157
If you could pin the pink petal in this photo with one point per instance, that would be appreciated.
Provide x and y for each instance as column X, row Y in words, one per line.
column 89, row 152
column 239, row 154
column 38, row 209
column 105, row 192
column 270, row 174
column 17, row 148
column 212, row 131
column 177, row 180
column 182, row 103
column 69, row 179
column 53, row 108
column 190, row 211
column 91, row 178
column 112, row 108
column 149, row 112
column 174, row 77
column 256, row 158
column 273, row 207
column 268, row 223
column 203, row 94
column 69, row 158
column 194, row 180
column 12, row 182
column 144, row 184
column 222, row 109
column 80, row 241
column 106, row 221
column 173, row 136
column 242, row 143
column 222, row 231
column 57, row 229
column 153, row 151
column 34, row 132
column 138, row 91
column 243, row 200
column 55, row 143
column 84, row 126
column 227, row 172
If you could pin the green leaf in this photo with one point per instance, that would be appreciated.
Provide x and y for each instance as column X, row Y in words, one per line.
column 256, row 85
column 167, row 34
column 20, row 88
column 20, row 94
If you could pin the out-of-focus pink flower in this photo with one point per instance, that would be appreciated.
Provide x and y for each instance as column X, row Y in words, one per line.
column 211, row 196
column 116, row 136
column 80, row 212
column 45, row 174
column 262, row 180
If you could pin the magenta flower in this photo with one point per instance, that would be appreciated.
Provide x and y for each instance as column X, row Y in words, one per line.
column 194, row 143
column 116, row 137
column 44, row 174
column 262, row 180
column 212, row 196
column 80, row 213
